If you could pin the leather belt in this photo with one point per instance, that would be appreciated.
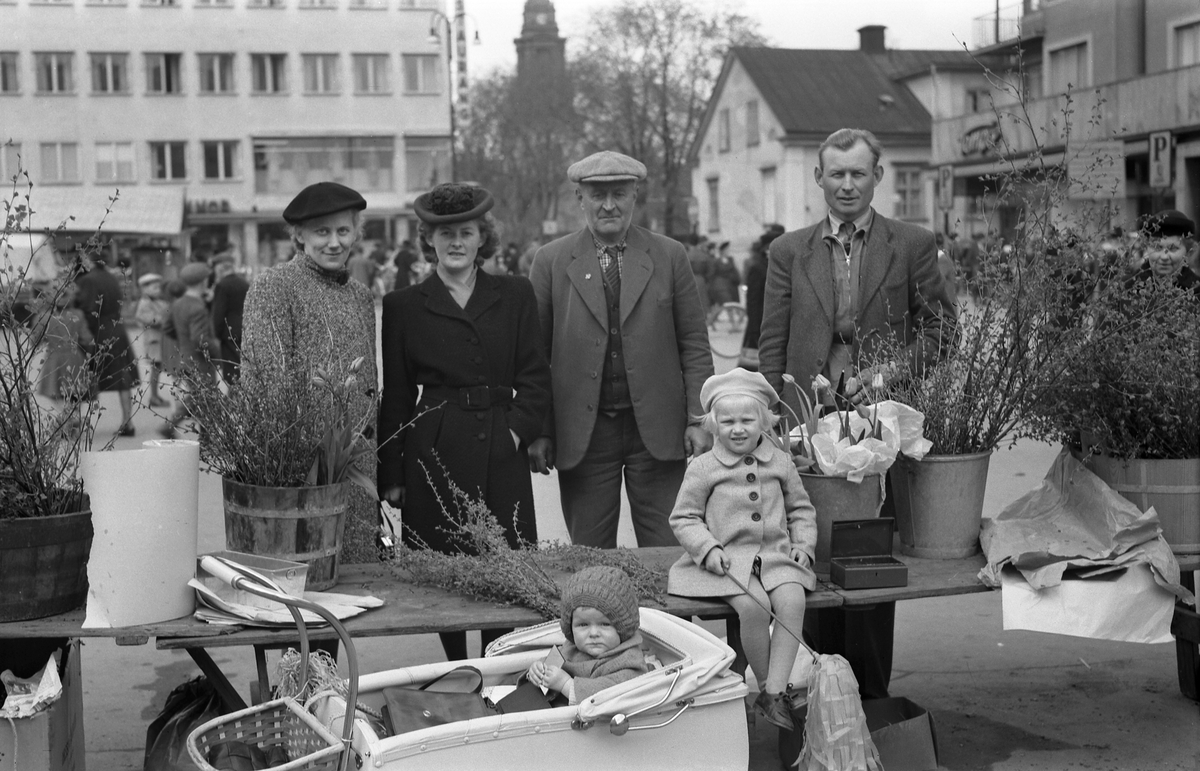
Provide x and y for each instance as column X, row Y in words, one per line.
column 470, row 397
column 843, row 339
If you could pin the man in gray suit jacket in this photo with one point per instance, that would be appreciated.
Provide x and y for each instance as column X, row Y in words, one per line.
column 628, row 349
column 835, row 291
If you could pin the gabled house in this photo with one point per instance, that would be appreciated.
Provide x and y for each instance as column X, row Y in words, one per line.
column 753, row 158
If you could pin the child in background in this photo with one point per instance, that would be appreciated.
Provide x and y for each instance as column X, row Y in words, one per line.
column 600, row 619
column 65, row 377
column 152, row 311
column 742, row 511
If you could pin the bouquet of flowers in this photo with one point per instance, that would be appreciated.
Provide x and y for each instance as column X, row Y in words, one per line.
column 855, row 442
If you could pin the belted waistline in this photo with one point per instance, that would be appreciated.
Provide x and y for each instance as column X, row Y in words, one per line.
column 470, row 397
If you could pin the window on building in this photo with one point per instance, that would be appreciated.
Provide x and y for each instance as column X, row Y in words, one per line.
column 110, row 73
column 10, row 82
column 714, row 205
column 378, row 5
column 1032, row 82
column 1187, row 44
column 269, row 73
column 371, row 74
column 318, row 3
column 164, row 3
column 426, row 162
column 220, row 160
column 752, row 138
column 320, row 73
column 163, row 73
column 422, row 74
column 213, row 3
column 54, row 73
column 168, row 160
column 723, row 131
column 419, row 3
column 60, row 162
column 289, row 163
column 770, row 194
column 979, row 100
column 1069, row 69
column 216, row 73
column 910, row 199
column 114, row 162
column 10, row 161
column 266, row 3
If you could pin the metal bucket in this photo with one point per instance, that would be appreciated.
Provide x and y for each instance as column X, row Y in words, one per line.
column 939, row 504
column 302, row 524
column 44, row 565
column 837, row 499
column 1172, row 487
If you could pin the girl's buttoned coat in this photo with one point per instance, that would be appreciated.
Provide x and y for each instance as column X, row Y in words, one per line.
column 494, row 342
column 752, row 506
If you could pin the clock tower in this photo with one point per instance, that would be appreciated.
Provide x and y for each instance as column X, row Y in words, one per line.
column 541, row 53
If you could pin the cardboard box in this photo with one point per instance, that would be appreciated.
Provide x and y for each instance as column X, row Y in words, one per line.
column 288, row 574
column 901, row 731
column 51, row 740
column 860, row 555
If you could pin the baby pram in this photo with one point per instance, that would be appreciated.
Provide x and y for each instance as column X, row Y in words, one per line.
column 687, row 712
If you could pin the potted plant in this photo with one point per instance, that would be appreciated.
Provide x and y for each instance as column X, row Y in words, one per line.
column 1128, row 407
column 45, row 521
column 843, row 457
column 286, row 452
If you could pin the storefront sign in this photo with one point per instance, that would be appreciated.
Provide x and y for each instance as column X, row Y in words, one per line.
column 980, row 140
column 211, row 206
column 1160, row 159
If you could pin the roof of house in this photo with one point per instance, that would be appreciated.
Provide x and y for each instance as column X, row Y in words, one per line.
column 814, row 92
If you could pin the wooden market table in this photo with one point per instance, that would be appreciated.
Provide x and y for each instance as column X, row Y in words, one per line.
column 411, row 609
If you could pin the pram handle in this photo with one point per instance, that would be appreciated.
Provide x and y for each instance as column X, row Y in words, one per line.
column 619, row 725
column 248, row 583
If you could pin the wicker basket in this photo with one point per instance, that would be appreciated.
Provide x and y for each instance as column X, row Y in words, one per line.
column 282, row 722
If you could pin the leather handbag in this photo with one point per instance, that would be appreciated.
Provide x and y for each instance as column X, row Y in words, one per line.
column 411, row 709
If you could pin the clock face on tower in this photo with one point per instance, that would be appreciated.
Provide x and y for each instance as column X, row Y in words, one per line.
column 542, row 18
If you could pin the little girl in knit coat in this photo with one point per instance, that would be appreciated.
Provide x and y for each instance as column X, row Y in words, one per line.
column 742, row 511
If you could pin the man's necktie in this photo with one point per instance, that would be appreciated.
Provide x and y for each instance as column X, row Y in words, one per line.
column 846, row 236
column 612, row 273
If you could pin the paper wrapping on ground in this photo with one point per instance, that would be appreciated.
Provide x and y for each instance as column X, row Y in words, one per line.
column 144, row 514
column 1127, row 606
column 1075, row 521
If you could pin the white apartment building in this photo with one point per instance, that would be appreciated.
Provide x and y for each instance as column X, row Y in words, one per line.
column 207, row 116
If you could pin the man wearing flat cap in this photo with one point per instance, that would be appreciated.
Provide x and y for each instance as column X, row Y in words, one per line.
column 628, row 347
column 1169, row 238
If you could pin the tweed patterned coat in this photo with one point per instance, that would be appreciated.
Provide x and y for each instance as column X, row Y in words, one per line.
column 298, row 314
column 750, row 505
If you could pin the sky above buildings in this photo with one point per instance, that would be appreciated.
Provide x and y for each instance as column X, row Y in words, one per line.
column 931, row 24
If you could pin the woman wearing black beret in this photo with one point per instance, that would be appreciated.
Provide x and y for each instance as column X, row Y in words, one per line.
column 308, row 313
column 472, row 341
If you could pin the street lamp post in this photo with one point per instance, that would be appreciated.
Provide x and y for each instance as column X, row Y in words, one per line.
column 459, row 21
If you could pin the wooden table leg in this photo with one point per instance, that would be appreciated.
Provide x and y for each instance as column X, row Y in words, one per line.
column 224, row 688
column 1185, row 625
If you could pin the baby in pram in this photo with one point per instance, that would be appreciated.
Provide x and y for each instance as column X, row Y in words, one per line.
column 604, row 647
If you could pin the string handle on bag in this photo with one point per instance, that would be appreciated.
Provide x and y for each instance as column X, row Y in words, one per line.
column 771, row 613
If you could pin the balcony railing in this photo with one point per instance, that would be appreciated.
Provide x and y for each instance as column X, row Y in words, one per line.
column 1159, row 102
column 997, row 27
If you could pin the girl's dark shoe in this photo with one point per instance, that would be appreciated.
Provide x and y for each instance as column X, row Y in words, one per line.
column 774, row 707
column 126, row 429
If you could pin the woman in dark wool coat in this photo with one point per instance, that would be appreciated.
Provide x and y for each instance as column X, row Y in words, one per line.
column 471, row 340
column 99, row 297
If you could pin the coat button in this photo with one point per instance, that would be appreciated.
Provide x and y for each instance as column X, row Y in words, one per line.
column 589, row 408
column 481, row 436
column 481, row 416
column 749, row 477
column 613, row 331
column 756, row 516
column 593, row 376
column 754, row 496
column 749, row 461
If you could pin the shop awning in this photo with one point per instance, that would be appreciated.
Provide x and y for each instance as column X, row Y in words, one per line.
column 146, row 210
